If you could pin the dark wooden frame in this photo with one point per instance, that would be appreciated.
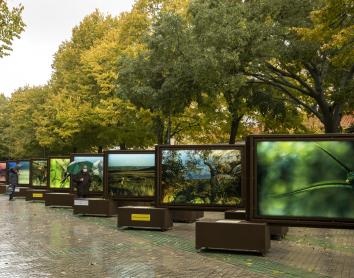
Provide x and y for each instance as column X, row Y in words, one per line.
column 238, row 146
column 91, row 193
column 252, row 183
column 6, row 174
column 126, row 198
column 68, row 190
column 18, row 161
column 31, row 173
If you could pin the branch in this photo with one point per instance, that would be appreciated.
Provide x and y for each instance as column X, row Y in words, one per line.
column 290, row 95
column 310, row 92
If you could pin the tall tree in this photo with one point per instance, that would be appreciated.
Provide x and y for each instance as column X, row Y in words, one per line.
column 313, row 65
column 11, row 26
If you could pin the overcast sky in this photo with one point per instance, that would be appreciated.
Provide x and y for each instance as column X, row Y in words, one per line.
column 49, row 22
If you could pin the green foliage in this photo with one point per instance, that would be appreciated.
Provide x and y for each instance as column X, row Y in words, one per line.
column 305, row 179
column 11, row 26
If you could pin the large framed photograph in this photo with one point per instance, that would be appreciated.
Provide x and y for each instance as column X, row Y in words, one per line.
column 205, row 177
column 3, row 172
column 130, row 175
column 24, row 171
column 59, row 180
column 96, row 170
column 303, row 180
column 39, row 173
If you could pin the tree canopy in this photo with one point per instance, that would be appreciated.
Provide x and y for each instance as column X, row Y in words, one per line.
column 192, row 71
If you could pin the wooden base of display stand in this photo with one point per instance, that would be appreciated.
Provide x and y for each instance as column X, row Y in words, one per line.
column 186, row 216
column 94, row 206
column 3, row 188
column 278, row 232
column 235, row 235
column 144, row 217
column 21, row 192
column 238, row 214
column 59, row 199
column 35, row 194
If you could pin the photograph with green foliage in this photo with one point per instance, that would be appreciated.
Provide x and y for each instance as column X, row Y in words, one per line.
column 39, row 172
column 96, row 172
column 131, row 175
column 24, row 173
column 211, row 177
column 58, row 177
column 305, row 179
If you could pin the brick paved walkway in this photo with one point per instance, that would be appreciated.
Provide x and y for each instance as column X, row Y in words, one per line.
column 36, row 241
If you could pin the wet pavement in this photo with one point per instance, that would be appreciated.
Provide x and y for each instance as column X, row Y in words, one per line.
column 37, row 241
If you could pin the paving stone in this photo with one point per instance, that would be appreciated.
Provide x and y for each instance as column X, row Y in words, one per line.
column 37, row 241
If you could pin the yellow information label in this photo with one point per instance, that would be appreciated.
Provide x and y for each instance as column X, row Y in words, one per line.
column 140, row 217
column 37, row 195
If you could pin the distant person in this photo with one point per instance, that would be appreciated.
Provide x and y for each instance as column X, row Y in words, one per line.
column 83, row 182
column 13, row 181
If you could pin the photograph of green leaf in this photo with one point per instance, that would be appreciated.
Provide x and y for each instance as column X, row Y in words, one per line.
column 305, row 179
column 201, row 177
column 24, row 173
column 58, row 178
column 96, row 171
column 39, row 170
column 131, row 175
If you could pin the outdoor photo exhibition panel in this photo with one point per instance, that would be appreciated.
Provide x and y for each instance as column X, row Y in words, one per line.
column 3, row 172
column 59, row 180
column 96, row 170
column 130, row 175
column 205, row 177
column 39, row 173
column 23, row 173
column 302, row 180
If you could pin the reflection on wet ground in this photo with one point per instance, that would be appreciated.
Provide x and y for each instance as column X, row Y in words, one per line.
column 37, row 241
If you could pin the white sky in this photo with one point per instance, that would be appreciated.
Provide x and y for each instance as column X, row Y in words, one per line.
column 49, row 22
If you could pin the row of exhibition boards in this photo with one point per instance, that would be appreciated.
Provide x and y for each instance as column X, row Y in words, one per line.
column 291, row 180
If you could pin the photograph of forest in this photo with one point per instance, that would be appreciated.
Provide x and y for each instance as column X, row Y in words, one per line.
column 2, row 172
column 24, row 173
column 201, row 177
column 39, row 172
column 305, row 179
column 131, row 175
column 96, row 172
column 58, row 178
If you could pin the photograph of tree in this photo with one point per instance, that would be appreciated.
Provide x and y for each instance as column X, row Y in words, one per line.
column 2, row 172
column 305, row 179
column 131, row 175
column 96, row 171
column 58, row 177
column 201, row 177
column 39, row 172
column 24, row 173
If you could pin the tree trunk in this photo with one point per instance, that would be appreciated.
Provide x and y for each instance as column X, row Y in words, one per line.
column 168, row 133
column 159, row 127
column 123, row 146
column 331, row 123
column 100, row 149
column 235, row 123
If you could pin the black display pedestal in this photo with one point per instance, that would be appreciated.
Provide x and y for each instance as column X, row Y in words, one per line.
column 21, row 191
column 59, row 199
column 144, row 217
column 94, row 206
column 3, row 188
column 35, row 194
column 185, row 216
column 278, row 232
column 238, row 214
column 235, row 235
